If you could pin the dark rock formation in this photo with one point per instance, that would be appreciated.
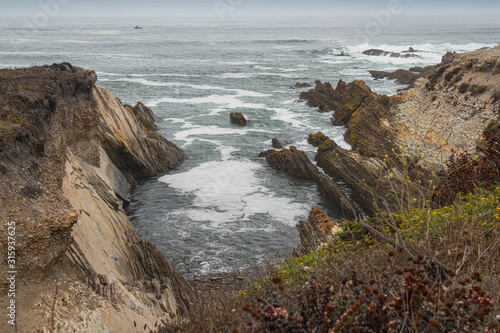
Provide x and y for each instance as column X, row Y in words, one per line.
column 300, row 85
column 296, row 163
column 401, row 76
column 448, row 57
column 344, row 100
column 317, row 230
column 367, row 177
column 145, row 116
column 382, row 53
column 276, row 144
column 391, row 144
column 238, row 118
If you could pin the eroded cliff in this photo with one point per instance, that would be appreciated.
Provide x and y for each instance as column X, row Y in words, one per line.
column 69, row 154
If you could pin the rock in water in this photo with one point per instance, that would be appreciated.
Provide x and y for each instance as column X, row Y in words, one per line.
column 446, row 111
column 314, row 232
column 300, row 85
column 276, row 144
column 344, row 100
column 296, row 163
column 238, row 118
column 379, row 53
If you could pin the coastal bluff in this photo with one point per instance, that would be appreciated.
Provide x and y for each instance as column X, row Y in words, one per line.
column 70, row 153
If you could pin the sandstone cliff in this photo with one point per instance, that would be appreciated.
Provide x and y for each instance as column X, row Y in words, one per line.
column 407, row 137
column 69, row 154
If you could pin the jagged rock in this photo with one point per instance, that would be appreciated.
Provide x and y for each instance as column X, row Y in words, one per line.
column 276, row 144
column 410, row 50
column 317, row 230
column 447, row 111
column 448, row 57
column 367, row 177
column 401, row 76
column 144, row 114
column 238, row 118
column 296, row 163
column 407, row 77
column 378, row 53
column 344, row 100
column 300, row 85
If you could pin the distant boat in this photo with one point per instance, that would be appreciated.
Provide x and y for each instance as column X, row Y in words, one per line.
column 137, row 27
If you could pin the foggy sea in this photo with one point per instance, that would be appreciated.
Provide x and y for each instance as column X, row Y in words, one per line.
column 225, row 209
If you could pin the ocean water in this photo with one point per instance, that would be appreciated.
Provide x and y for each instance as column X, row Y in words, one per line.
column 224, row 209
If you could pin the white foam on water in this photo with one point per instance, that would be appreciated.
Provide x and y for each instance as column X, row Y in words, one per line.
column 107, row 74
column 275, row 74
column 165, row 74
column 233, row 76
column 228, row 191
column 287, row 116
column 191, row 134
column 226, row 101
column 240, row 92
column 263, row 67
column 237, row 63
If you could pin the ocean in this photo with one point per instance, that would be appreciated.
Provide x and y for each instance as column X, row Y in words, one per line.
column 225, row 209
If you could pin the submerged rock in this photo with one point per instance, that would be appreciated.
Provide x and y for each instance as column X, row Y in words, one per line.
column 314, row 232
column 238, row 118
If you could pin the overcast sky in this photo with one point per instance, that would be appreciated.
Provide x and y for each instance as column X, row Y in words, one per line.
column 236, row 8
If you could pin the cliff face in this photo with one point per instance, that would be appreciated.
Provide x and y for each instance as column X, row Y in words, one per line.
column 410, row 134
column 69, row 154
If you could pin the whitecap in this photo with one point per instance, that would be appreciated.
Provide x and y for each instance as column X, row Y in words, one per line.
column 228, row 191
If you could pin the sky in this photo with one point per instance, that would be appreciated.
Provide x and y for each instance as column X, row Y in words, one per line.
column 241, row 8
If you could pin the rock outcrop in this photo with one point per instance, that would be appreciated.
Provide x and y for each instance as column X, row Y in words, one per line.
column 406, row 77
column 238, row 118
column 299, row 85
column 405, row 138
column 382, row 53
column 276, row 144
column 70, row 153
column 296, row 163
column 314, row 232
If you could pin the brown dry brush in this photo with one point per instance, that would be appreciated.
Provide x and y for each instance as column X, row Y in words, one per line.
column 466, row 172
column 403, row 299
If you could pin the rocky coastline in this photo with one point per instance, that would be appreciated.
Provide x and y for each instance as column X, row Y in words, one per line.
column 69, row 154
column 409, row 135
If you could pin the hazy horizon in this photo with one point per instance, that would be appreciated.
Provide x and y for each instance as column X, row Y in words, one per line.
column 227, row 9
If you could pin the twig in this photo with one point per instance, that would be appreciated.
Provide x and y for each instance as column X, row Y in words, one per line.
column 399, row 237
column 53, row 308
column 375, row 233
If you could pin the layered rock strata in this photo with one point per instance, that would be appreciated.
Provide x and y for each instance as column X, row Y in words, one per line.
column 407, row 137
column 317, row 230
column 69, row 154
column 296, row 163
